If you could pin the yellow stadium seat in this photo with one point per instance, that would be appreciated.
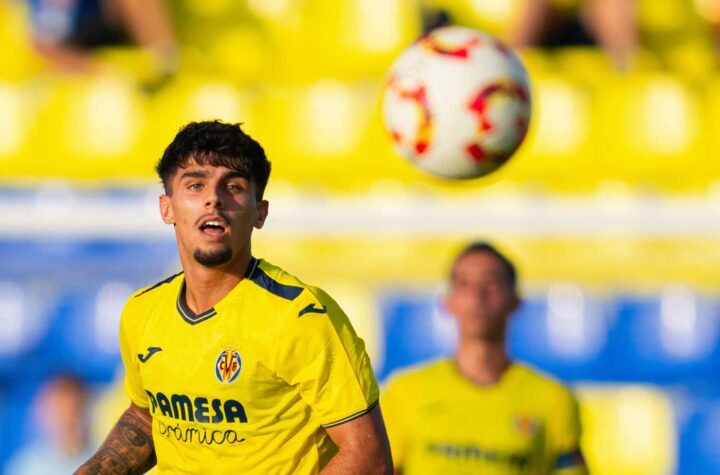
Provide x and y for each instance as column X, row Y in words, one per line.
column 241, row 54
column 329, row 120
column 538, row 62
column 628, row 430
column 589, row 65
column 711, row 122
column 315, row 134
column 103, row 119
column 14, row 118
column 344, row 39
column 676, row 33
column 664, row 16
column 210, row 9
column 192, row 98
column 651, row 125
column 561, row 149
column 18, row 60
column 83, row 129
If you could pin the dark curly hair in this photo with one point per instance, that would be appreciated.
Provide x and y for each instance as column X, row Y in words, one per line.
column 217, row 144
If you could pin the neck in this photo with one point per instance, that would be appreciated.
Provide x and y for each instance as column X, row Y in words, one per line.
column 482, row 362
column 206, row 286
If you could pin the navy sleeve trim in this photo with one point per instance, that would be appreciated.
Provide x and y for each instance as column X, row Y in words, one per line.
column 570, row 459
column 289, row 292
column 354, row 416
column 166, row 281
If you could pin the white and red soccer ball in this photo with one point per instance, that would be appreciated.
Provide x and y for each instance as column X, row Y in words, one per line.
column 457, row 103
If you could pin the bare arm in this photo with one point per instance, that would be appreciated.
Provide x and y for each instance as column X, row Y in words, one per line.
column 67, row 58
column 127, row 450
column 364, row 446
column 530, row 24
column 613, row 22
column 149, row 24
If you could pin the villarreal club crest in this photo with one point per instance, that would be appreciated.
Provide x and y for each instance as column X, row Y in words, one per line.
column 228, row 365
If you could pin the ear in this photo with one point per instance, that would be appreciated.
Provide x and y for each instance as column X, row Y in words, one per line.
column 517, row 302
column 263, row 206
column 166, row 211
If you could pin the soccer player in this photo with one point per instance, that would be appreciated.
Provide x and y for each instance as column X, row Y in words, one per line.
column 233, row 365
column 481, row 412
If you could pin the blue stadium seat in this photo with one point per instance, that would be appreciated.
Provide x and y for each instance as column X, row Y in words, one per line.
column 70, row 294
column 15, row 403
column 699, row 430
column 83, row 338
column 414, row 329
column 563, row 333
column 25, row 310
column 667, row 339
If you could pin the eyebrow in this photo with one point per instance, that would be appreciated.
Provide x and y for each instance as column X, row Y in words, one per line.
column 195, row 174
column 234, row 174
column 204, row 174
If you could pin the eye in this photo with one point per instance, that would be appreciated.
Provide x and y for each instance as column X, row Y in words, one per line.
column 235, row 187
column 460, row 283
column 194, row 186
column 494, row 285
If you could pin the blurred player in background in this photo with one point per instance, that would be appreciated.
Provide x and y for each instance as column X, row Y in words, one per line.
column 233, row 365
column 61, row 410
column 481, row 412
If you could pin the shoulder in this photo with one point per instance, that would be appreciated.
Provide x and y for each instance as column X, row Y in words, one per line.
column 274, row 281
column 147, row 298
column 155, row 290
column 552, row 389
column 286, row 289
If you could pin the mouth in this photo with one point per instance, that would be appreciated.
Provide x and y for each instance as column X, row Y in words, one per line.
column 213, row 227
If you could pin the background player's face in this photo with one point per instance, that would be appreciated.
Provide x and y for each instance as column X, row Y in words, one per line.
column 214, row 211
column 481, row 297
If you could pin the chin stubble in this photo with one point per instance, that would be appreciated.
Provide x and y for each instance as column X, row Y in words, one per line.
column 213, row 258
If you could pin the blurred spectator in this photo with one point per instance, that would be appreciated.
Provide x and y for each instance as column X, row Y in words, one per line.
column 553, row 23
column 67, row 31
column 556, row 23
column 61, row 412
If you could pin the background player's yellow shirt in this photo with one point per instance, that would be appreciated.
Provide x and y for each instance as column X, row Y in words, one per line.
column 440, row 422
column 247, row 386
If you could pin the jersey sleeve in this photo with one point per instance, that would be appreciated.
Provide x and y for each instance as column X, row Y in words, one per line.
column 133, row 383
column 319, row 352
column 564, row 432
column 394, row 401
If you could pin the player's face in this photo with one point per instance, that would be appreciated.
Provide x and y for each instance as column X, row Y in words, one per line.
column 481, row 297
column 214, row 211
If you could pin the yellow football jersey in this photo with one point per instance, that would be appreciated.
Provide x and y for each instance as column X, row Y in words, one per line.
column 440, row 422
column 249, row 385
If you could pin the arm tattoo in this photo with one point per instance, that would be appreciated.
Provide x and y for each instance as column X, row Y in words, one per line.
column 128, row 449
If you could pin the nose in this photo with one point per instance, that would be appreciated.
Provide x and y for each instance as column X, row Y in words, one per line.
column 214, row 198
column 479, row 295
